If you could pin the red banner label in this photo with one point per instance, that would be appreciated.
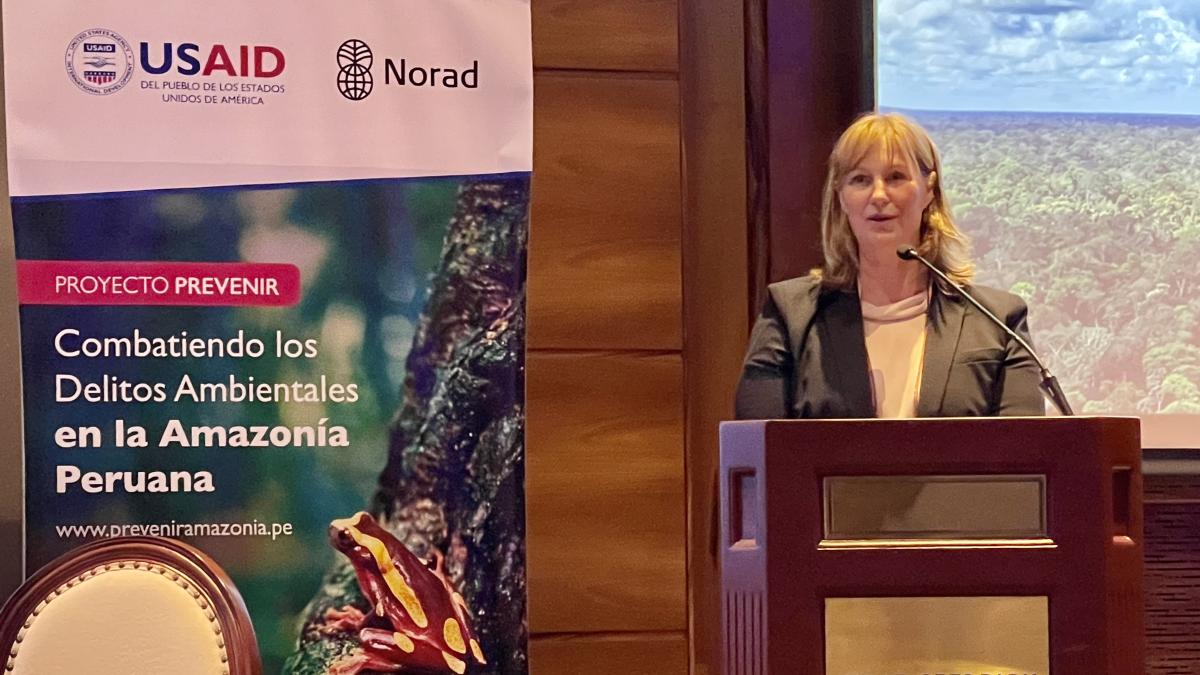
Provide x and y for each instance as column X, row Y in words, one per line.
column 89, row 282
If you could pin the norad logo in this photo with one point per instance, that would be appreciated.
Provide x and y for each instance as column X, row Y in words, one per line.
column 354, row 70
column 412, row 74
column 355, row 81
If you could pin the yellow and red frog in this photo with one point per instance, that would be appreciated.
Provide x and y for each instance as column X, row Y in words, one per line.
column 418, row 623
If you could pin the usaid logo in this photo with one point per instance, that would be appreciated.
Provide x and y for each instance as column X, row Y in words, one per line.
column 191, row 59
column 99, row 61
column 354, row 60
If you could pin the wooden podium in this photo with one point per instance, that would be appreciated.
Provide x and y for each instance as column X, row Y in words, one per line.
column 997, row 546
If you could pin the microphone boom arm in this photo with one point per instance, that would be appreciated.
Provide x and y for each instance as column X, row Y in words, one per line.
column 1049, row 383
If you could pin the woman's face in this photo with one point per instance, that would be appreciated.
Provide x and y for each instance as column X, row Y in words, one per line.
column 884, row 197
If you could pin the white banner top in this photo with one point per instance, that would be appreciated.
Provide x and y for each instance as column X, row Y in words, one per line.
column 253, row 91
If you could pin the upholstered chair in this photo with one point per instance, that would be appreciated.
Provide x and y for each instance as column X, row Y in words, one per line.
column 128, row 606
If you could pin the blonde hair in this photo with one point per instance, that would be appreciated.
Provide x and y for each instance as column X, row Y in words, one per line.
column 942, row 243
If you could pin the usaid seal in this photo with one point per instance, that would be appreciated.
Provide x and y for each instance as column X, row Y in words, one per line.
column 354, row 69
column 99, row 61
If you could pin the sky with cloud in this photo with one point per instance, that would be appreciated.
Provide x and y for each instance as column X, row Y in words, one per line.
column 1044, row 55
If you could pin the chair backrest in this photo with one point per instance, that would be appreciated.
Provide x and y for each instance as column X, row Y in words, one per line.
column 128, row 606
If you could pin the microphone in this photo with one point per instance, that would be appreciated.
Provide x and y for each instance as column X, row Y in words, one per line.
column 1049, row 383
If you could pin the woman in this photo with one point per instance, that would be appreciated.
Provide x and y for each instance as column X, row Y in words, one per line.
column 869, row 334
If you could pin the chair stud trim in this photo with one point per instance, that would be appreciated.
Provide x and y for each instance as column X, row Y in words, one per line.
column 179, row 580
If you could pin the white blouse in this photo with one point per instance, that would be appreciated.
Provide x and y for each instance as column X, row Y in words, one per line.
column 895, row 336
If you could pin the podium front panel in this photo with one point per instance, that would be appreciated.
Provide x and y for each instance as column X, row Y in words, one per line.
column 960, row 513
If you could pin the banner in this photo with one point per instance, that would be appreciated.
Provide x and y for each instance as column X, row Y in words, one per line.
column 272, row 289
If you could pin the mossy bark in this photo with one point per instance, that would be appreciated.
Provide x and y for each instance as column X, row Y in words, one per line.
column 454, row 479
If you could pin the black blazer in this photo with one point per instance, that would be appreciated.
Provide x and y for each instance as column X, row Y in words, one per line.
column 808, row 357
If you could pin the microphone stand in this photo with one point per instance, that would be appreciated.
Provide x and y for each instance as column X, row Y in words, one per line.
column 1049, row 383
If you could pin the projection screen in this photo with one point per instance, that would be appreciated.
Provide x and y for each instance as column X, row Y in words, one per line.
column 1069, row 134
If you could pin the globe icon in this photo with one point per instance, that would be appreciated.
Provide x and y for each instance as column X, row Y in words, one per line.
column 354, row 70
column 355, row 82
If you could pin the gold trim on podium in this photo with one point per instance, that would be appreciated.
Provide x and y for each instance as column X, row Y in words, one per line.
column 849, row 544
column 915, row 636
column 937, row 507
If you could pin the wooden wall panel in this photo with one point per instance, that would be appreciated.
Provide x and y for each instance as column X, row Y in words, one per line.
column 604, row 252
column 810, row 68
column 605, row 493
column 605, row 35
column 605, row 469
column 1172, row 576
column 715, row 299
column 636, row 654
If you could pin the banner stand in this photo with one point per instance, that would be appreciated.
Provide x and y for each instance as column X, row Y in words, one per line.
column 12, row 479
column 271, row 288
